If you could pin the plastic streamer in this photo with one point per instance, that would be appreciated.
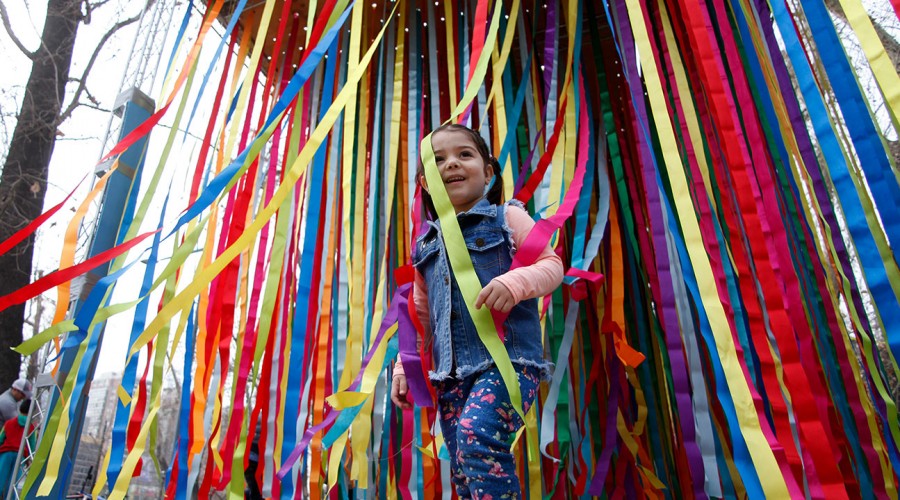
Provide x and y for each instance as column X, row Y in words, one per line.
column 739, row 201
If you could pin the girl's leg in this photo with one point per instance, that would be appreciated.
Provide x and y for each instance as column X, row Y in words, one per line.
column 451, row 399
column 485, row 432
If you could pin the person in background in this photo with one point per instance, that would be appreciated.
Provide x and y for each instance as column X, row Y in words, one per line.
column 251, row 490
column 10, row 440
column 9, row 400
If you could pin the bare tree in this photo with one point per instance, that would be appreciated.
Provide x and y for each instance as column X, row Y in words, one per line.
column 23, row 182
column 891, row 47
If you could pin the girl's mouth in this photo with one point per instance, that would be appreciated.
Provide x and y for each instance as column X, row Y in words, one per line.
column 454, row 179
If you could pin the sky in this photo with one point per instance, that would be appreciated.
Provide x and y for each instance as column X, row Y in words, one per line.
column 81, row 142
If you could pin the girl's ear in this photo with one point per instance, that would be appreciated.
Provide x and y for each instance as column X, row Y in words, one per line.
column 488, row 174
column 422, row 182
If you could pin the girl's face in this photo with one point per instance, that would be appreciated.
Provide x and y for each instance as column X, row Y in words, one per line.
column 465, row 172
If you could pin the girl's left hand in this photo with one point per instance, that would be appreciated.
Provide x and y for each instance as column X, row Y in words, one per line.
column 400, row 391
column 496, row 296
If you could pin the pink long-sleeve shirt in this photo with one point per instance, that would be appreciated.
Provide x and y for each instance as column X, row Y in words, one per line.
column 527, row 282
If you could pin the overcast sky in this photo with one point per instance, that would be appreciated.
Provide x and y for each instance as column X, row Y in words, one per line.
column 80, row 144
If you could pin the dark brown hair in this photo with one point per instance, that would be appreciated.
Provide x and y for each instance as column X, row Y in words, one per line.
column 494, row 195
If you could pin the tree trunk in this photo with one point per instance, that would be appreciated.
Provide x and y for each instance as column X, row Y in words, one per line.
column 23, row 182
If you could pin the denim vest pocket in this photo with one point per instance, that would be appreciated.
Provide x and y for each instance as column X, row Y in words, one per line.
column 485, row 245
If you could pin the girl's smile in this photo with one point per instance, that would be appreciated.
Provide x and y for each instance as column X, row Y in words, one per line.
column 466, row 173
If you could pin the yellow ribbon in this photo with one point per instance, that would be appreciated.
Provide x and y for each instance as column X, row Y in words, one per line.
column 355, row 263
column 882, row 68
column 770, row 476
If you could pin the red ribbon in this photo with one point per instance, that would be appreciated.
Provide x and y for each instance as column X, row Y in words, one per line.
column 26, row 231
column 61, row 276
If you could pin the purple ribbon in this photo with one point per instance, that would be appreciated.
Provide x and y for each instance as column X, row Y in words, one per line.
column 609, row 438
column 390, row 318
column 409, row 353
column 666, row 298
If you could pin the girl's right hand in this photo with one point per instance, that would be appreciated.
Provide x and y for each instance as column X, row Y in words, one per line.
column 400, row 392
column 496, row 296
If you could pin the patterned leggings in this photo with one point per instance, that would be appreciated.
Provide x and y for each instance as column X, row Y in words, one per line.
column 479, row 425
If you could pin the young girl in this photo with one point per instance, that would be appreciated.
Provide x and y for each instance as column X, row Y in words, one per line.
column 477, row 419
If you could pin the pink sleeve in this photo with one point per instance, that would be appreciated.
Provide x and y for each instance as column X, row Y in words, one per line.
column 541, row 277
column 420, row 297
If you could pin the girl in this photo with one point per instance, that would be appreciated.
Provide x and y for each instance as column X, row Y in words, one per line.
column 476, row 416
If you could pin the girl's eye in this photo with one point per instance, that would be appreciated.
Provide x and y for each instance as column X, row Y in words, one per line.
column 438, row 159
column 466, row 154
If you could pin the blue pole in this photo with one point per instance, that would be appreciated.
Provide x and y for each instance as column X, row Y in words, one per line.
column 116, row 211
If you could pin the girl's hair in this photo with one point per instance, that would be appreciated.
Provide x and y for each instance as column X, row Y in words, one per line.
column 494, row 194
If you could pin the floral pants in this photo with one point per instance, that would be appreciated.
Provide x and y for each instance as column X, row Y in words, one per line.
column 479, row 424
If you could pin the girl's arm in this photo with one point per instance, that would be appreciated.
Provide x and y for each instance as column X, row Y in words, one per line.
column 399, row 387
column 541, row 277
column 420, row 297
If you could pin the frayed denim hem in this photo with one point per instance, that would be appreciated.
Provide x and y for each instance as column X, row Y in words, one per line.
column 509, row 230
column 545, row 367
column 464, row 371
column 438, row 377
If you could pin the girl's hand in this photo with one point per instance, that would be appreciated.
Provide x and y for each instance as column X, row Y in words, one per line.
column 400, row 392
column 496, row 296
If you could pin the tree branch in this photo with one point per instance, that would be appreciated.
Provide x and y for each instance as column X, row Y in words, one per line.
column 87, row 92
column 92, row 106
column 89, row 9
column 91, row 98
column 82, row 82
column 30, row 54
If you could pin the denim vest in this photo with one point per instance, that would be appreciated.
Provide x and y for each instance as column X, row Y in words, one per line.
column 455, row 340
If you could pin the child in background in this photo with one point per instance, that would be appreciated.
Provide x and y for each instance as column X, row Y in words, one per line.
column 476, row 416
column 10, row 439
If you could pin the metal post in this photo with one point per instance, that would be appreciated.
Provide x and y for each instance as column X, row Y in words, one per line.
column 43, row 386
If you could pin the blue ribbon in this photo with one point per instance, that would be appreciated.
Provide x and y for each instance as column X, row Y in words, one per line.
column 120, row 426
column 181, row 31
column 741, row 453
column 867, row 251
column 218, row 184
column 311, row 236
column 184, row 414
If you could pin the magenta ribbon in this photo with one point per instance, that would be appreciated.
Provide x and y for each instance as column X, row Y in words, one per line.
column 543, row 230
